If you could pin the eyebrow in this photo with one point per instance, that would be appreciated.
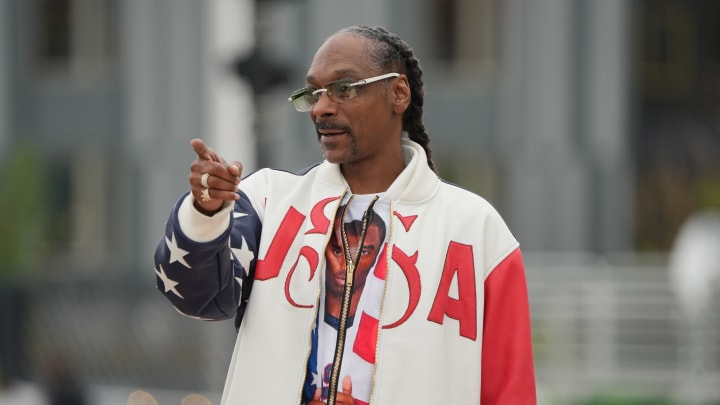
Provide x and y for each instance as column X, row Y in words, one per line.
column 341, row 72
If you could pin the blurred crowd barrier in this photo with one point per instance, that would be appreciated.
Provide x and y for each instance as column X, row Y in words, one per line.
column 606, row 330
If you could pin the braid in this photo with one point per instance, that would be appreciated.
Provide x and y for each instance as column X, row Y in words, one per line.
column 392, row 53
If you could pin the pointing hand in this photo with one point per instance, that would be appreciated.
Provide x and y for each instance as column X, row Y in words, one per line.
column 212, row 180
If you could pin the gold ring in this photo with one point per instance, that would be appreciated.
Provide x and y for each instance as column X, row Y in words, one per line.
column 205, row 195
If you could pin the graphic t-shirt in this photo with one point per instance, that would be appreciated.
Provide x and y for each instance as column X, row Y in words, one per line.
column 358, row 360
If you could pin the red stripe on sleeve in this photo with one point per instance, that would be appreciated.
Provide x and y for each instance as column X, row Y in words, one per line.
column 508, row 375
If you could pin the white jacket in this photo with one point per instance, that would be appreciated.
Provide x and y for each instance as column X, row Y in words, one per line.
column 454, row 324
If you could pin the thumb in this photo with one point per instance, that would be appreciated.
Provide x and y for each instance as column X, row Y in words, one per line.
column 318, row 395
column 347, row 385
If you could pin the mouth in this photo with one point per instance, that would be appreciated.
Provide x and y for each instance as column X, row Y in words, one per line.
column 325, row 130
column 330, row 133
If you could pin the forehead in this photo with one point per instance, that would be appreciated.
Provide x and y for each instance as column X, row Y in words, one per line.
column 341, row 54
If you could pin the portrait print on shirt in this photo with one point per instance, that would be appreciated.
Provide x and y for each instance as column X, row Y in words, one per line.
column 358, row 360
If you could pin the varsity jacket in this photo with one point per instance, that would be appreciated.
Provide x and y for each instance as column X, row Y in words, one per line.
column 454, row 324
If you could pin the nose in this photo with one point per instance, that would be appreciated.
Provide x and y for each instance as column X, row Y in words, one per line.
column 324, row 106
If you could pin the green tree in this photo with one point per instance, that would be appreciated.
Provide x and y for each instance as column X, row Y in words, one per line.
column 23, row 210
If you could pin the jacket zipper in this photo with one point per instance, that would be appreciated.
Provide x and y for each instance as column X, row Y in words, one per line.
column 347, row 296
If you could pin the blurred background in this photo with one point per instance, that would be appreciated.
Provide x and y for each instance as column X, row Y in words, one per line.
column 593, row 126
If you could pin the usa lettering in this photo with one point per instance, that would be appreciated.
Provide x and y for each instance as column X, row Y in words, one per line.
column 458, row 266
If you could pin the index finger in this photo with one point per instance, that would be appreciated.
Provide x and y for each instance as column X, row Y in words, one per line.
column 200, row 149
column 203, row 151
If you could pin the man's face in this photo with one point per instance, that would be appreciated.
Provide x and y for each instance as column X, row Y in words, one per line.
column 335, row 257
column 364, row 127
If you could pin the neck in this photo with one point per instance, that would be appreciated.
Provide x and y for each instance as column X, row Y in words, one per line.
column 372, row 177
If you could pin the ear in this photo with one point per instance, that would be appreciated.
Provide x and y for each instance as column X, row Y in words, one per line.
column 400, row 94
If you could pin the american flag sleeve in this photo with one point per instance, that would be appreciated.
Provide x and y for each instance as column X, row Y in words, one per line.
column 211, row 279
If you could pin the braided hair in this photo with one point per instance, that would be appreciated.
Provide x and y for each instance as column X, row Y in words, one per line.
column 390, row 53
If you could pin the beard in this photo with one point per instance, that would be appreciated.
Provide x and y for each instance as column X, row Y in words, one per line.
column 329, row 143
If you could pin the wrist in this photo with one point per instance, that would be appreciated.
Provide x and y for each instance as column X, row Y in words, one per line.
column 205, row 211
column 202, row 226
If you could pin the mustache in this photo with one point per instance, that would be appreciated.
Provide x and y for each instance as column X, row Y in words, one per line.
column 322, row 125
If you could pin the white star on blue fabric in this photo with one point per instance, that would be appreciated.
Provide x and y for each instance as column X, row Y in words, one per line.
column 176, row 253
column 244, row 254
column 167, row 282
column 239, row 214
column 316, row 380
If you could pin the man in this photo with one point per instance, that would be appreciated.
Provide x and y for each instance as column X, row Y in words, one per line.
column 448, row 319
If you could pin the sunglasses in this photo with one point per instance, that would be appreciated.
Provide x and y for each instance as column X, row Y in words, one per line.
column 339, row 91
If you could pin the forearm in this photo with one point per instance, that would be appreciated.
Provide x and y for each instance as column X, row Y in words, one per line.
column 194, row 265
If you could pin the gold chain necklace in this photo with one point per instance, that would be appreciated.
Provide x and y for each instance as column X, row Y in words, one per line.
column 350, row 265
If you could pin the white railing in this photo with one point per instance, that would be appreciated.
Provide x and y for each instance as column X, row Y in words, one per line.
column 614, row 325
